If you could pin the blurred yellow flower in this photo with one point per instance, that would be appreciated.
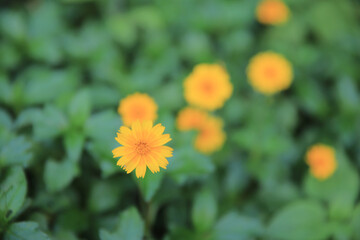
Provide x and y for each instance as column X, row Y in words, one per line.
column 190, row 118
column 142, row 147
column 211, row 136
column 137, row 106
column 269, row 73
column 272, row 12
column 322, row 161
column 208, row 86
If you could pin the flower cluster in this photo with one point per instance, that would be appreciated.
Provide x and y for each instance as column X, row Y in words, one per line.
column 206, row 89
column 211, row 135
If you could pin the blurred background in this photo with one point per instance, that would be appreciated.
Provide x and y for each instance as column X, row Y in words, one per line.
column 65, row 65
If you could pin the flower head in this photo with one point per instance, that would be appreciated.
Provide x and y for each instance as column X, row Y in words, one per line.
column 322, row 161
column 208, row 86
column 269, row 73
column 191, row 118
column 142, row 146
column 272, row 12
column 211, row 136
column 137, row 106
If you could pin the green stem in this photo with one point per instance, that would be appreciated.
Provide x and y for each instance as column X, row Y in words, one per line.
column 148, row 220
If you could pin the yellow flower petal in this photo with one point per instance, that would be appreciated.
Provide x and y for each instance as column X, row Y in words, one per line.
column 152, row 164
column 161, row 140
column 131, row 165
column 125, row 159
column 120, row 151
column 141, row 169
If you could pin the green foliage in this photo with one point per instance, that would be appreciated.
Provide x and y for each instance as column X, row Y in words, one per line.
column 26, row 231
column 341, row 199
column 15, row 152
column 12, row 193
column 66, row 65
column 150, row 185
column 130, row 226
column 299, row 220
column 204, row 211
column 57, row 175
column 233, row 226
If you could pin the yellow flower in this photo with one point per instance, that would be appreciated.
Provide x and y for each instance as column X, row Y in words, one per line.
column 322, row 161
column 191, row 118
column 211, row 136
column 269, row 73
column 208, row 86
column 142, row 146
column 137, row 106
column 272, row 12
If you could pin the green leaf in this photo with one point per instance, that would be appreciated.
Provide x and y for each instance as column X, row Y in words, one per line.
column 102, row 154
column 25, row 231
column 332, row 190
column 103, row 126
column 16, row 152
column 80, row 108
column 237, row 227
column 74, row 143
column 189, row 163
column 51, row 11
column 12, row 55
column 103, row 96
column 43, row 84
column 150, row 184
column 5, row 89
column 105, row 235
column 74, row 219
column 122, row 29
column 65, row 235
column 13, row 190
column 27, row 116
column 104, row 195
column 6, row 128
column 196, row 46
column 13, row 25
column 204, row 211
column 58, row 175
column 299, row 220
column 355, row 222
column 347, row 95
column 46, row 49
column 49, row 123
column 5, row 121
column 130, row 226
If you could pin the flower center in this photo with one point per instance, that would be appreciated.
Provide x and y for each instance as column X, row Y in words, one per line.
column 138, row 112
column 207, row 87
column 270, row 72
column 142, row 148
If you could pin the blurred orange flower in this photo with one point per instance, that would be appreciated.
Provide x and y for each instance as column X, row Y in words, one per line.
column 190, row 118
column 142, row 147
column 269, row 73
column 322, row 161
column 211, row 136
column 272, row 12
column 208, row 86
column 137, row 106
